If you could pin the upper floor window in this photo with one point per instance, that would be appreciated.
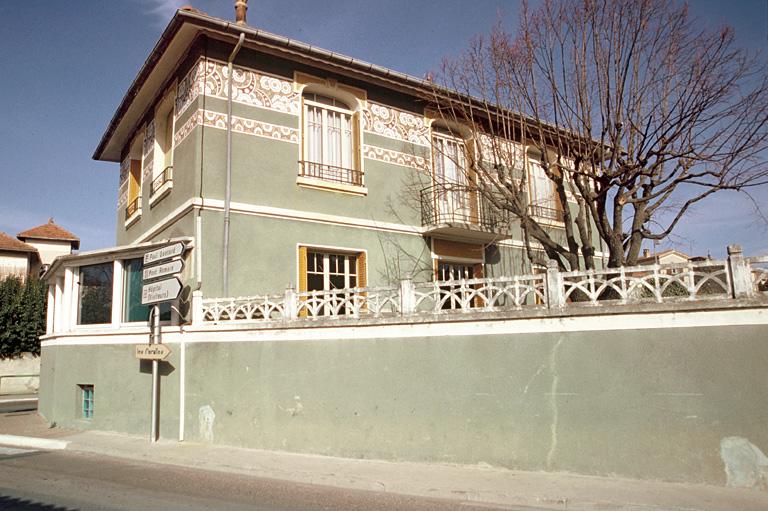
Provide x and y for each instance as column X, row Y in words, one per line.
column 544, row 202
column 162, row 168
column 330, row 140
column 455, row 201
column 133, row 204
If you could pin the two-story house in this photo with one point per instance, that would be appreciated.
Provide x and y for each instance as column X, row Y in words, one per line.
column 308, row 168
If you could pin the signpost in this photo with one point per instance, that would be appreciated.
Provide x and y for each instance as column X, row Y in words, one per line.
column 152, row 351
column 160, row 283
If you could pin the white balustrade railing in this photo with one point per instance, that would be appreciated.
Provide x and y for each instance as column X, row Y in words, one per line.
column 735, row 277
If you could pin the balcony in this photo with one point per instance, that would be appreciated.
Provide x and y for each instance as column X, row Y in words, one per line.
column 457, row 211
column 161, row 185
column 133, row 211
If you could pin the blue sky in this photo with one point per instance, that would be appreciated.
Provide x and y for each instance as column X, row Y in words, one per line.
column 68, row 63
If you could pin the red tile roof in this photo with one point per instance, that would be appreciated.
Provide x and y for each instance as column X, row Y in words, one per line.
column 49, row 231
column 10, row 244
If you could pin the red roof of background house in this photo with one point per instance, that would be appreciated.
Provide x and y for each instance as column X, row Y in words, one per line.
column 13, row 245
column 49, row 231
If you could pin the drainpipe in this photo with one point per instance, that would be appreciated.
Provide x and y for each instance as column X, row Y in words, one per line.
column 228, row 188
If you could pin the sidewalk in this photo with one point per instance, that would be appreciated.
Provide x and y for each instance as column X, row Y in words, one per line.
column 484, row 484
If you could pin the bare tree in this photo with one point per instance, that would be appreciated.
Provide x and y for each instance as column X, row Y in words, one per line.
column 634, row 112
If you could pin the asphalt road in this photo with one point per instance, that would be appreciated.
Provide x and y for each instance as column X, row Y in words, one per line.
column 66, row 480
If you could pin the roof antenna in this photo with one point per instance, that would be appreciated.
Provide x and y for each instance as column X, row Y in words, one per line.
column 241, row 6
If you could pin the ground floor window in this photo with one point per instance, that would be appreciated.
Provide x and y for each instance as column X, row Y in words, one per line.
column 95, row 294
column 86, row 401
column 133, row 310
column 326, row 270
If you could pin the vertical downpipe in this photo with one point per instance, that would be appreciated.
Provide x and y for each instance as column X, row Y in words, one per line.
column 228, row 188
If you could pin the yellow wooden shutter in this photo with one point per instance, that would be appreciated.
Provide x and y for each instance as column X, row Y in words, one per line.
column 358, row 147
column 302, row 269
column 362, row 270
column 302, row 277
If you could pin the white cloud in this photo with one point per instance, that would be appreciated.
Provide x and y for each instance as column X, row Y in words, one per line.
column 162, row 10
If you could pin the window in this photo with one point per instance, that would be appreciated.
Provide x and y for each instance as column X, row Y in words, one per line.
column 454, row 202
column 447, row 271
column 133, row 207
column 86, row 401
column 162, row 171
column 133, row 310
column 324, row 270
column 135, row 155
column 95, row 294
column 331, row 148
column 544, row 202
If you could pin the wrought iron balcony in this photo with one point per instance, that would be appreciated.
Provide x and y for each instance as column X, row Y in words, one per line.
column 330, row 173
column 458, row 210
column 132, row 207
column 166, row 176
column 546, row 213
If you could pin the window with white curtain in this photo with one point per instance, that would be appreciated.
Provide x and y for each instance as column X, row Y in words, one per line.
column 329, row 140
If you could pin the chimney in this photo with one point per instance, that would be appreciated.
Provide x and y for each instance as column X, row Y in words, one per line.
column 241, row 6
column 646, row 252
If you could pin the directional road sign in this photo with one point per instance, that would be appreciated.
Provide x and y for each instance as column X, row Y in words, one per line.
column 161, row 254
column 160, row 291
column 162, row 270
column 152, row 351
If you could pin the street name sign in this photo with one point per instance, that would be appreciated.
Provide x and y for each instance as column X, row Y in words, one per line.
column 162, row 270
column 164, row 253
column 152, row 351
column 160, row 291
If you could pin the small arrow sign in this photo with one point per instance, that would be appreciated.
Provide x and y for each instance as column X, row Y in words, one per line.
column 160, row 291
column 162, row 270
column 164, row 253
column 152, row 351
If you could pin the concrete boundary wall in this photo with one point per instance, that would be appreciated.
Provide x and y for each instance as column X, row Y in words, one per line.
column 664, row 395
column 20, row 375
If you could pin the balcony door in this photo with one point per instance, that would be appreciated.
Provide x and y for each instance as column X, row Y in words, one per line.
column 452, row 192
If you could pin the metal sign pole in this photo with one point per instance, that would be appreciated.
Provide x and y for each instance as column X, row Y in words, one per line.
column 154, row 338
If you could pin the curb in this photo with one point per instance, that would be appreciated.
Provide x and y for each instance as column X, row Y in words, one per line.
column 33, row 442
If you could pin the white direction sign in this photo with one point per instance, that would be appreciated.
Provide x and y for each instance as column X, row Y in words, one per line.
column 160, row 291
column 151, row 351
column 162, row 270
column 164, row 253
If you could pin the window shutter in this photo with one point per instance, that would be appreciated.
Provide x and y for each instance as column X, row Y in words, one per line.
column 302, row 278
column 302, row 269
column 362, row 270
column 357, row 142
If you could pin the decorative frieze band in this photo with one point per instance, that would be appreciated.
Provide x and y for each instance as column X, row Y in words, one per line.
column 248, row 87
column 396, row 158
column 122, row 191
column 397, row 124
column 239, row 125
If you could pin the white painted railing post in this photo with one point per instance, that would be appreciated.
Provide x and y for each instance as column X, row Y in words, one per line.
column 197, row 307
column 290, row 304
column 407, row 297
column 555, row 288
column 741, row 279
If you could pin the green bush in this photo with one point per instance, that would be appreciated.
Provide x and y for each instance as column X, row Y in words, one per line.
column 22, row 316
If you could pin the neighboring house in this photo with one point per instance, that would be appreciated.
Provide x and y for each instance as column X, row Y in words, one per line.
column 50, row 241
column 35, row 249
column 665, row 257
column 16, row 257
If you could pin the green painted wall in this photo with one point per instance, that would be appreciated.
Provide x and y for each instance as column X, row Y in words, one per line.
column 646, row 404
column 122, row 389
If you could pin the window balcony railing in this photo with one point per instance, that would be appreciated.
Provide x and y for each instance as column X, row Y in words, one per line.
column 546, row 213
column 453, row 203
column 166, row 176
column 132, row 207
column 330, row 173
